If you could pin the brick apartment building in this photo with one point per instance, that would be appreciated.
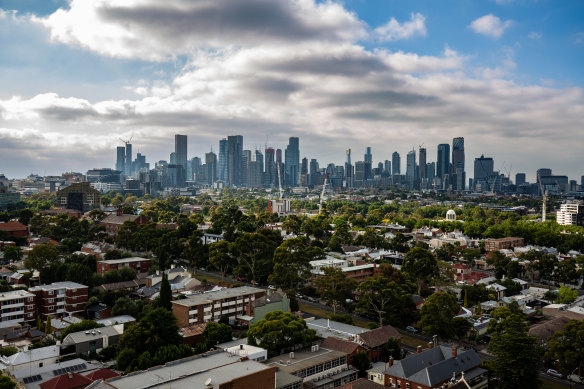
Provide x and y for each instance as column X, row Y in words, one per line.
column 141, row 265
column 113, row 223
column 14, row 229
column 60, row 299
column 205, row 307
column 16, row 307
column 503, row 243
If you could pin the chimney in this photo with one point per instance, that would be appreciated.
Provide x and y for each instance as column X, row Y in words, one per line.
column 454, row 352
column 390, row 362
column 419, row 349
column 119, row 212
column 430, row 345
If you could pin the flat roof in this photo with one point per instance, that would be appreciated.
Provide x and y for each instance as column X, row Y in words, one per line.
column 325, row 328
column 124, row 260
column 209, row 297
column 191, row 373
column 59, row 285
column 359, row 267
column 303, row 359
column 14, row 294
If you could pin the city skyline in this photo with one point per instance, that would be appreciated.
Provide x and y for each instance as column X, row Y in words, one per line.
column 502, row 74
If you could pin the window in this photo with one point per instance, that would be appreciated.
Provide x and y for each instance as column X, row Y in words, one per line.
column 52, row 308
column 408, row 385
column 30, row 299
column 51, row 300
column 51, row 292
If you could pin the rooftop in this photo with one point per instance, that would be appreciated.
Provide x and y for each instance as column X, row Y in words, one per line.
column 59, row 285
column 325, row 328
column 209, row 297
column 304, row 358
column 15, row 294
column 123, row 260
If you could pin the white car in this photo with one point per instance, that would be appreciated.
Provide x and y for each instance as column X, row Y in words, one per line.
column 272, row 287
column 554, row 373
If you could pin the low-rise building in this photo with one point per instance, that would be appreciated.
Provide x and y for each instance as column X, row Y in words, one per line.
column 14, row 229
column 30, row 359
column 17, row 307
column 113, row 223
column 211, row 306
column 137, row 263
column 91, row 341
column 503, row 243
column 60, row 299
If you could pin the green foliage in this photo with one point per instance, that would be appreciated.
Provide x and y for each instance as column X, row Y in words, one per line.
column 126, row 306
column 518, row 356
column 566, row 346
column 335, row 287
column 216, row 333
column 343, row 318
column 566, row 295
column 7, row 382
column 12, row 253
column 221, row 257
column 41, row 257
column 280, row 331
column 255, row 256
column 437, row 315
column 48, row 326
column 362, row 363
column 291, row 264
column 421, row 265
column 165, row 293
column 371, row 325
column 156, row 329
column 7, row 351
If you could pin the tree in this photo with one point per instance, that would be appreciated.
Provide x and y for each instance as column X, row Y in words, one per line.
column 378, row 294
column 255, row 254
column 41, row 257
column 335, row 287
column 279, row 331
column 221, row 257
column 48, row 326
column 421, row 265
column 291, row 264
column 567, row 295
column 566, row 347
column 461, row 326
column 437, row 316
column 25, row 215
column 216, row 333
column 7, row 382
column 362, row 363
column 126, row 306
column 165, row 293
column 518, row 356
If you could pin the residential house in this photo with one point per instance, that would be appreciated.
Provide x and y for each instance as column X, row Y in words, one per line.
column 503, row 243
column 14, row 229
column 275, row 301
column 498, row 290
column 30, row 359
column 91, row 341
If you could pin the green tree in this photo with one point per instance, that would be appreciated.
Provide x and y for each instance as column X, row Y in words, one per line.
column 291, row 264
column 126, row 306
column 216, row 333
column 566, row 347
column 7, row 351
column 12, row 253
column 25, row 215
column 221, row 257
column 165, row 293
column 566, row 295
column 362, row 363
column 7, row 382
column 255, row 253
column 421, row 265
column 437, row 316
column 518, row 356
column 335, row 287
column 125, row 358
column 41, row 257
column 48, row 326
column 280, row 331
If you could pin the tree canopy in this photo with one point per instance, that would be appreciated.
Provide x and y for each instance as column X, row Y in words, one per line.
column 280, row 331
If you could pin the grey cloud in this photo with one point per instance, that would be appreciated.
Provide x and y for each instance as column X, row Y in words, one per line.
column 345, row 64
column 65, row 114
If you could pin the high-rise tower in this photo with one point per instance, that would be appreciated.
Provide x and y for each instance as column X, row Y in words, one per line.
column 180, row 151
column 395, row 163
column 234, row 160
column 292, row 157
column 222, row 163
column 121, row 159
column 443, row 160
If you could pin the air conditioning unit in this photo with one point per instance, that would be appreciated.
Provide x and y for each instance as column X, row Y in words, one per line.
column 292, row 355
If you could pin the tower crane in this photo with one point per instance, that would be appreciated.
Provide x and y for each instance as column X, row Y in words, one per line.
column 544, row 197
column 322, row 193
column 126, row 141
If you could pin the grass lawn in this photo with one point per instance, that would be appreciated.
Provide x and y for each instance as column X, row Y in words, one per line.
column 414, row 342
column 324, row 313
column 212, row 280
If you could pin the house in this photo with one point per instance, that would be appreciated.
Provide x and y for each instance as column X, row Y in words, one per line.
column 101, row 374
column 373, row 340
column 30, row 359
column 67, row 381
column 113, row 223
column 122, row 319
column 498, row 290
column 98, row 311
column 14, row 229
column 216, row 369
column 432, row 368
column 193, row 333
column 211, row 238
column 275, row 301
column 503, row 243
column 91, row 341
column 32, row 378
column 137, row 263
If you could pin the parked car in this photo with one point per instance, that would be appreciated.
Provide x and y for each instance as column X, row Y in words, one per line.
column 272, row 287
column 411, row 329
column 554, row 373
column 312, row 299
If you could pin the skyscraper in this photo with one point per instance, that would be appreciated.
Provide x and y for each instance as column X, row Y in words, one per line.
column 483, row 171
column 211, row 167
column 270, row 167
column 234, row 160
column 245, row 160
column 222, row 161
column 121, row 159
column 128, row 165
column 279, row 155
column 443, row 160
column 348, row 170
column 457, row 154
column 259, row 157
column 519, row 178
column 368, row 164
column 387, row 166
column 395, row 163
column 422, row 163
column 180, row 150
column 292, row 157
column 411, row 169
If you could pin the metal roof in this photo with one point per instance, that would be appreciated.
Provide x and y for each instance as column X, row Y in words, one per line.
column 209, row 297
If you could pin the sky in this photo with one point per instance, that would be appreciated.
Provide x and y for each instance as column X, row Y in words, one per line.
column 77, row 76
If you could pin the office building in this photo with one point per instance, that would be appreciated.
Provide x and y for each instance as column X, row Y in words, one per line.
column 387, row 166
column 422, row 163
column 176, row 176
column 128, row 164
column 279, row 155
column 121, row 159
column 443, row 160
column 360, row 171
column 212, row 306
column 222, row 163
column 483, row 173
column 103, row 175
column 180, row 152
column 245, row 160
column 457, row 154
column 349, row 173
column 234, row 160
column 211, row 167
column 259, row 157
column 520, row 179
column 292, row 157
column 543, row 172
column 395, row 163
column 271, row 172
column 79, row 196
column 411, row 176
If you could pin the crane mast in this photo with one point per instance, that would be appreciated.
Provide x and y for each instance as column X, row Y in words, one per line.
column 544, row 199
column 322, row 193
column 280, row 181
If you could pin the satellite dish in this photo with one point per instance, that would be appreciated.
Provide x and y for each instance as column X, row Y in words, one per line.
column 208, row 382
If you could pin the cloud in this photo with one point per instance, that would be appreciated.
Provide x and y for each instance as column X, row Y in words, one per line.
column 490, row 25
column 155, row 31
column 535, row 35
column 394, row 30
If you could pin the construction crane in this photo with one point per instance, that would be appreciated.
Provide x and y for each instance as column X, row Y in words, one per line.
column 544, row 197
column 126, row 141
column 322, row 193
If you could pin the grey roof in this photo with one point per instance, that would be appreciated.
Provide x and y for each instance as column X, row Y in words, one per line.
column 190, row 373
column 86, row 336
column 123, row 260
column 59, row 285
column 122, row 319
column 325, row 328
column 284, row 379
column 14, row 294
column 209, row 297
column 36, row 354
column 48, row 371
column 434, row 366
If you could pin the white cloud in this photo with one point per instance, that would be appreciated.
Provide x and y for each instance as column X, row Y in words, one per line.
column 535, row 35
column 394, row 30
column 490, row 25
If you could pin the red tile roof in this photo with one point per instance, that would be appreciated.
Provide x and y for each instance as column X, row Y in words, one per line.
column 67, row 381
column 13, row 226
column 362, row 383
column 101, row 374
column 379, row 336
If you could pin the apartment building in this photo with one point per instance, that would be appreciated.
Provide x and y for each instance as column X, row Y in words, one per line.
column 503, row 243
column 141, row 265
column 211, row 306
column 60, row 299
column 571, row 214
column 16, row 307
